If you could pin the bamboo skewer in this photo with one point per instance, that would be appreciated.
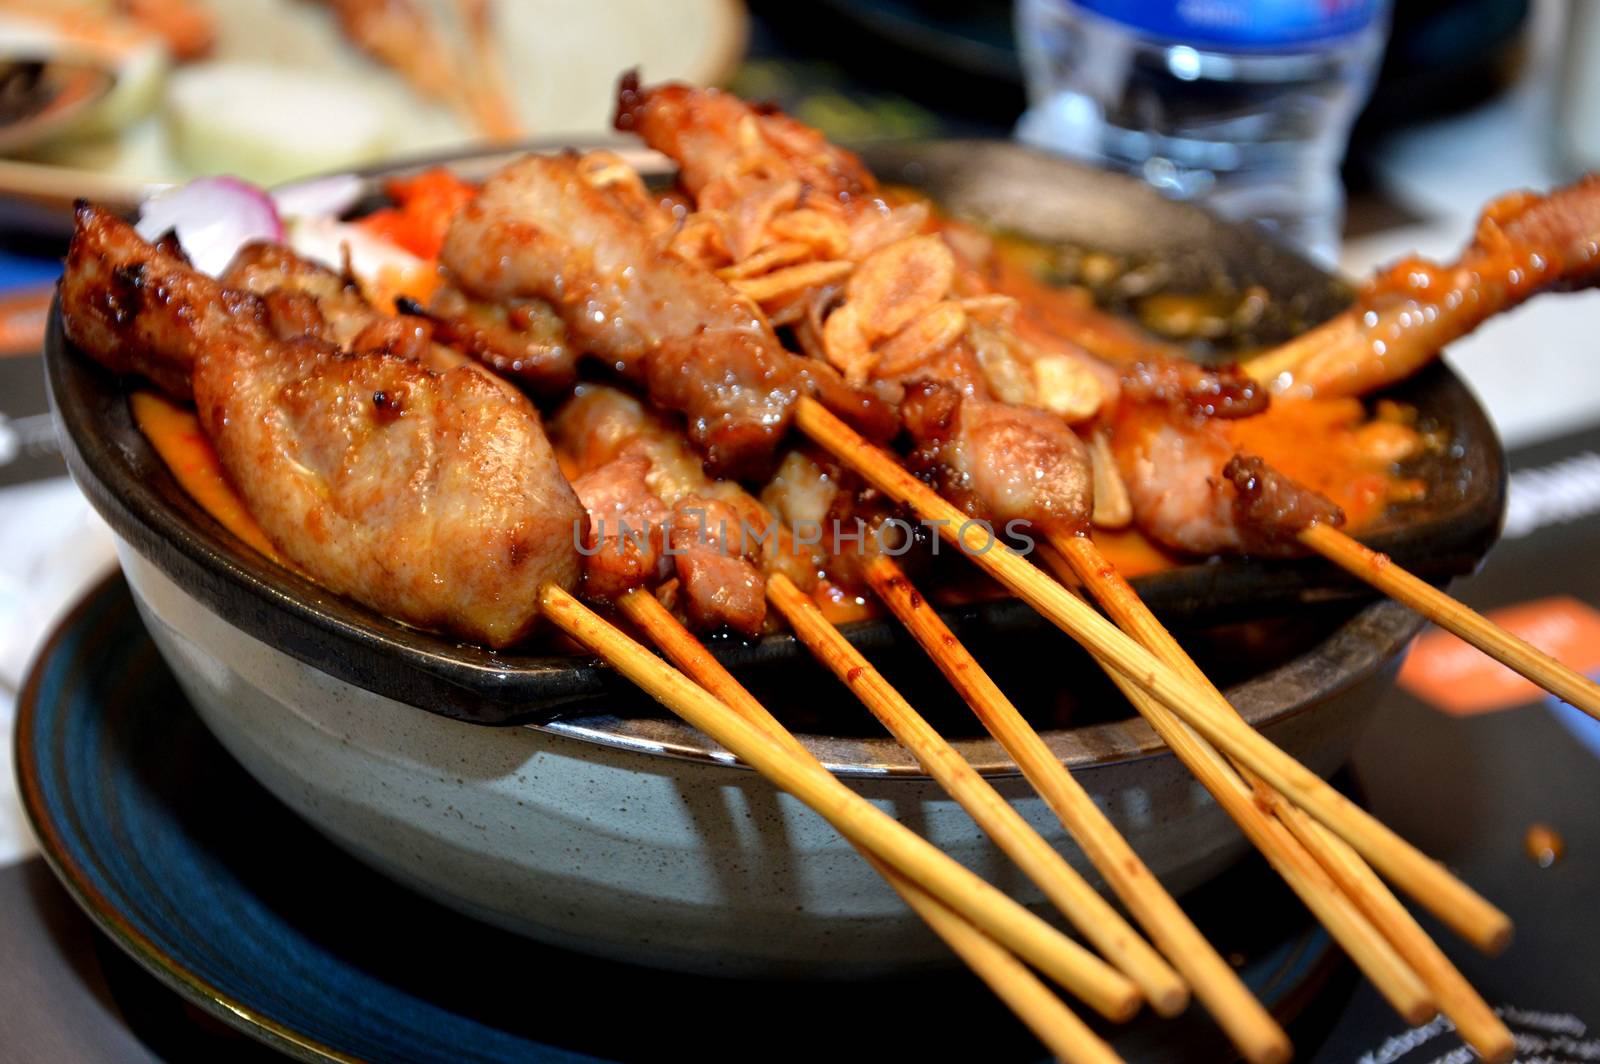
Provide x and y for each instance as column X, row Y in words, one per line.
column 1311, row 883
column 1009, row 924
column 1377, row 569
column 1426, row 880
column 1251, row 1027
column 1062, row 1032
column 1474, row 1020
column 1066, row 611
column 1089, row 912
column 1249, row 802
column 486, row 91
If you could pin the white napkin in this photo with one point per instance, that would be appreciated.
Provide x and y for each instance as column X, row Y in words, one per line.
column 52, row 547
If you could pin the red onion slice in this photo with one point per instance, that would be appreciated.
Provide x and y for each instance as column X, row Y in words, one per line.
column 214, row 217
column 320, row 196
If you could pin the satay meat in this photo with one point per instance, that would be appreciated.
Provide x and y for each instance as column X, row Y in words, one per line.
column 434, row 498
column 540, row 229
column 999, row 462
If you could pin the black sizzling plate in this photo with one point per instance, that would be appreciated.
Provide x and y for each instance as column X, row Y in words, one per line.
column 997, row 183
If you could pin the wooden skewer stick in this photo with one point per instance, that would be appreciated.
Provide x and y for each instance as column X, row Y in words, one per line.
column 1009, row 924
column 1377, row 569
column 1426, row 880
column 1251, row 1027
column 1372, row 953
column 1249, row 801
column 1089, row 912
column 486, row 94
column 1062, row 1032
column 1477, row 1024
column 1475, row 1021
column 1402, row 986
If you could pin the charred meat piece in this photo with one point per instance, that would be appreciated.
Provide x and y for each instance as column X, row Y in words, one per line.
column 1193, row 493
column 539, row 229
column 720, row 582
column 145, row 311
column 522, row 340
column 434, row 498
column 1172, row 466
column 1205, row 391
column 267, row 269
column 1274, row 508
column 402, row 337
column 707, row 132
column 306, row 298
column 627, row 528
column 637, row 467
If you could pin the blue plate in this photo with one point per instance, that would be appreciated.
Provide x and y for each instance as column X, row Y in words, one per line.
column 240, row 907
column 1583, row 727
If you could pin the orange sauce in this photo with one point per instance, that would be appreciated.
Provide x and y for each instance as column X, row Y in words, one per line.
column 1132, row 552
column 842, row 605
column 174, row 431
column 1330, row 446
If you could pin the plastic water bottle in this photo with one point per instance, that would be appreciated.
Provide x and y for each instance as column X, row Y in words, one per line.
column 1245, row 105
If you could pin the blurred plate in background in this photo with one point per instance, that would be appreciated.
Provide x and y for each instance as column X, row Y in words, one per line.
column 280, row 91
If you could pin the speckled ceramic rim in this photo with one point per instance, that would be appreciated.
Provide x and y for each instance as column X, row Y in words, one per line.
column 1352, row 653
column 132, row 489
column 107, row 916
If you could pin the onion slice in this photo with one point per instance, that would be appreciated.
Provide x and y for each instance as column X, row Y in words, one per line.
column 319, row 196
column 214, row 217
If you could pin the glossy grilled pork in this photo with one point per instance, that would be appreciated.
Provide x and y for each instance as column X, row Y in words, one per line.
column 432, row 497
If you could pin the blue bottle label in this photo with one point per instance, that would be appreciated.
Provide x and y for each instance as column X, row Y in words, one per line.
column 1241, row 23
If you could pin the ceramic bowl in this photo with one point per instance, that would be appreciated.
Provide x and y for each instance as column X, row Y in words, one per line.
column 635, row 840
column 604, row 827
column 1012, row 188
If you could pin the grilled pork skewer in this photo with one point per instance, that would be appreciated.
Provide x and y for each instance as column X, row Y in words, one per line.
column 603, row 426
column 621, row 486
column 1526, row 243
column 1253, row 503
column 141, row 309
column 557, row 229
column 612, row 424
column 1192, row 490
column 433, row 497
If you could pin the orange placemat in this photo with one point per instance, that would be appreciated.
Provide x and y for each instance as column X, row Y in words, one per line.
column 1452, row 676
column 22, row 320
